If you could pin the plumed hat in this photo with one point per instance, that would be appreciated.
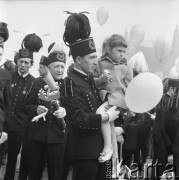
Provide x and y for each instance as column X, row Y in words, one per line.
column 4, row 33
column 30, row 44
column 25, row 53
column 76, row 35
column 57, row 56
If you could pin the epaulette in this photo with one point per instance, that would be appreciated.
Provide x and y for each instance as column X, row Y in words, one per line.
column 68, row 87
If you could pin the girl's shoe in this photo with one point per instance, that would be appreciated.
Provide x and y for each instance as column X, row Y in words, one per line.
column 106, row 156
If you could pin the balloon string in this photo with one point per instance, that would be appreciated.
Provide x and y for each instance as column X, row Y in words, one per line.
column 148, row 113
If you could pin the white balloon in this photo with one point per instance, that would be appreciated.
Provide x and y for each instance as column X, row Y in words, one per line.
column 137, row 35
column 144, row 92
column 102, row 15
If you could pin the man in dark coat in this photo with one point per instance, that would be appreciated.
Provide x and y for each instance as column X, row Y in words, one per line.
column 163, row 128
column 47, row 139
column 83, row 100
column 5, row 93
column 172, row 121
column 22, row 82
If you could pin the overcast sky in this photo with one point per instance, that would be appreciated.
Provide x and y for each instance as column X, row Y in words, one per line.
column 157, row 17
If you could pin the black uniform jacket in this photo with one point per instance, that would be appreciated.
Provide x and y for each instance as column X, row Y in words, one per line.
column 48, row 130
column 5, row 97
column 81, row 103
column 20, row 88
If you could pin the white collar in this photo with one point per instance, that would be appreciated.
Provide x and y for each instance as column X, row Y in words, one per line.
column 82, row 72
column 24, row 75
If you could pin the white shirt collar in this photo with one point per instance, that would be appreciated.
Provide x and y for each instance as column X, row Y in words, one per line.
column 24, row 75
column 80, row 71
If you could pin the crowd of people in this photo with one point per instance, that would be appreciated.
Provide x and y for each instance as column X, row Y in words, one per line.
column 100, row 130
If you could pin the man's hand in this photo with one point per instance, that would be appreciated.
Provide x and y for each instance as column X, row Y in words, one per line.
column 43, row 70
column 3, row 137
column 103, row 108
column 41, row 109
column 120, row 139
column 119, row 131
column 60, row 113
column 113, row 113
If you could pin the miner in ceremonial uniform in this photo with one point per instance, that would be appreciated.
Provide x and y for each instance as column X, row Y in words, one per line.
column 83, row 100
column 47, row 136
column 21, row 85
column 5, row 93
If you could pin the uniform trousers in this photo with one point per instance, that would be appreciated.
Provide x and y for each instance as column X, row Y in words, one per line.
column 53, row 152
column 84, row 169
column 67, row 162
column 24, row 166
column 14, row 144
column 3, row 149
column 176, row 164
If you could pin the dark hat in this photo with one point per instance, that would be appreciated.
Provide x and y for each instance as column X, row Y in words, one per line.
column 4, row 32
column 57, row 56
column 82, row 47
column 44, row 61
column 1, row 42
column 25, row 53
column 173, row 83
column 51, row 46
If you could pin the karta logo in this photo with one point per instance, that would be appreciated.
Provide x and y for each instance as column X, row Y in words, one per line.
column 134, row 171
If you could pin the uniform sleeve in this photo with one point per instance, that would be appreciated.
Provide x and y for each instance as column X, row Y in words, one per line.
column 31, row 101
column 7, row 104
column 78, row 113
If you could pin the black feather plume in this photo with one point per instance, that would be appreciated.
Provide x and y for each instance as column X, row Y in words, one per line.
column 77, row 27
column 32, row 42
column 4, row 33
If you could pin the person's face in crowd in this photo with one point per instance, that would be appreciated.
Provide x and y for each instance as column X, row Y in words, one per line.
column 88, row 63
column 116, row 53
column 42, row 70
column 1, row 52
column 57, row 70
column 24, row 64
